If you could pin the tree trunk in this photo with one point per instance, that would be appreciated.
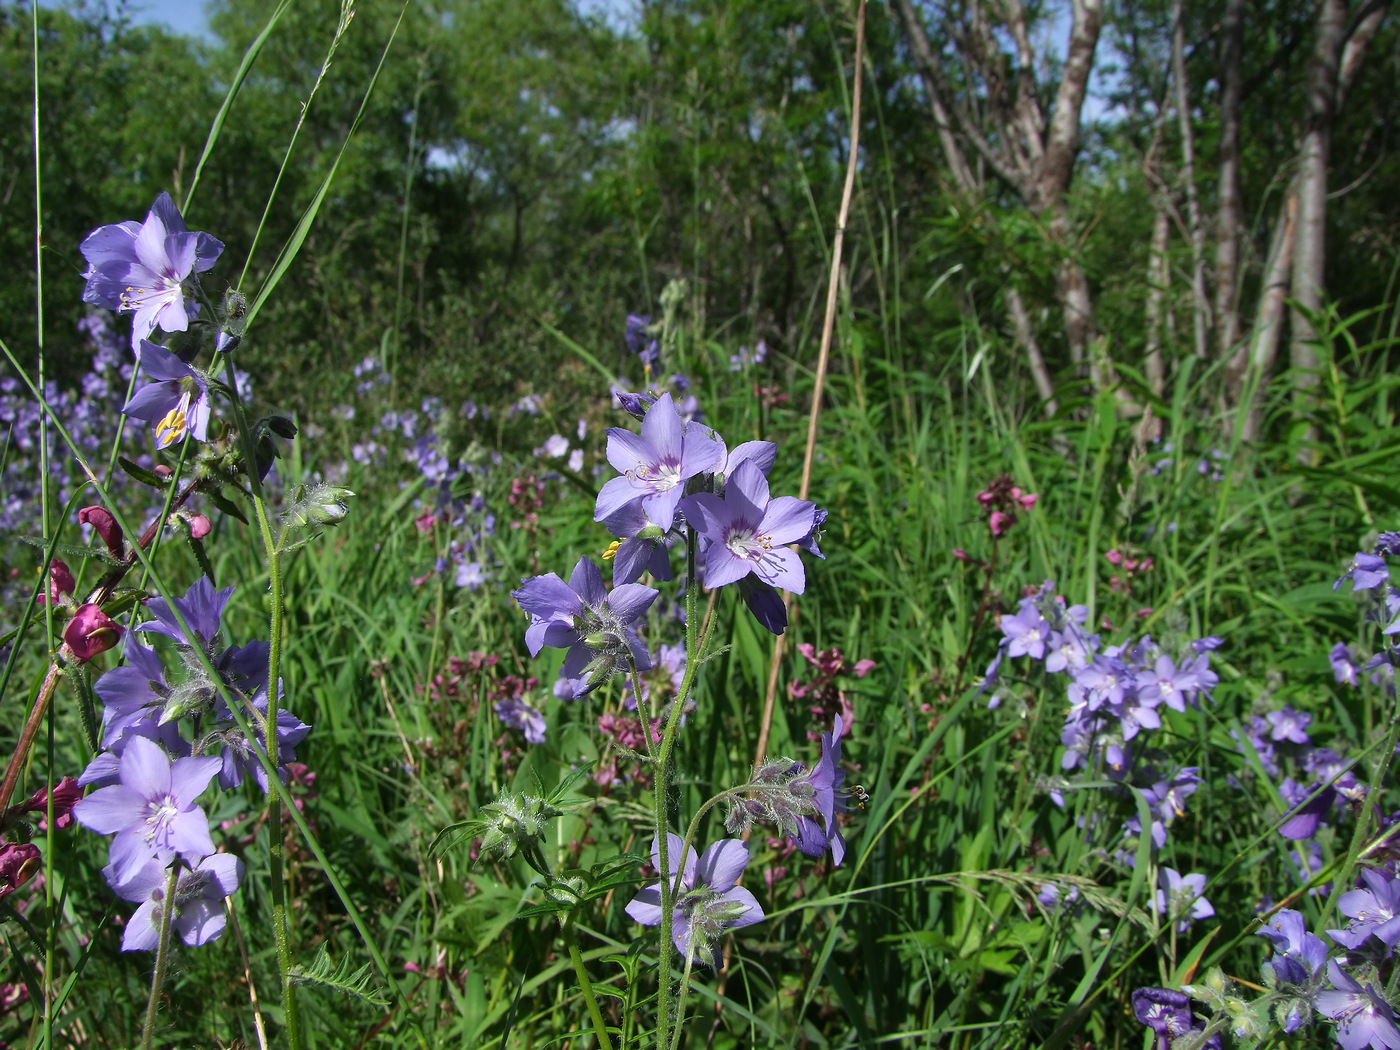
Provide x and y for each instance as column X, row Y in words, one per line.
column 1309, row 249
column 1200, row 304
column 1268, row 315
column 1227, row 213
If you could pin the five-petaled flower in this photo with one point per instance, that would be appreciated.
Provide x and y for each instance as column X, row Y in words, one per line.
column 708, row 901
column 151, row 811
column 197, row 913
column 177, row 402
column 141, row 268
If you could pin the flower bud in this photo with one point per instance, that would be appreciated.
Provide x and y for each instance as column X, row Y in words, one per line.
column 102, row 522
column 61, row 582
column 200, row 526
column 19, row 862
column 89, row 632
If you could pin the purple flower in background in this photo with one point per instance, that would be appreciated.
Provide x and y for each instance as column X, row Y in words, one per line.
column 1167, row 684
column 1303, row 822
column 141, row 268
column 1388, row 543
column 1362, row 1016
column 744, row 358
column 1288, row 724
column 198, row 915
column 748, row 533
column 656, row 465
column 637, row 336
column 517, row 714
column 177, row 402
column 1345, row 667
column 709, row 901
column 1182, row 897
column 595, row 625
column 152, row 810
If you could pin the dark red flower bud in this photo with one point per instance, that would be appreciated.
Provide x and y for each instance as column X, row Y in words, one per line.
column 102, row 522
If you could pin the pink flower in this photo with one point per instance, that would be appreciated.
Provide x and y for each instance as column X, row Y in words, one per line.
column 200, row 526
column 1000, row 522
column 65, row 794
column 91, row 631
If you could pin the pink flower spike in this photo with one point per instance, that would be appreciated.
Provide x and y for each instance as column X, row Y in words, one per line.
column 1028, row 500
column 102, row 522
column 1113, row 557
column 91, row 631
column 1000, row 522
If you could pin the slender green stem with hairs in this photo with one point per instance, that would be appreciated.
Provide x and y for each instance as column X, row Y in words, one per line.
column 274, row 659
column 600, row 1027
column 148, row 1030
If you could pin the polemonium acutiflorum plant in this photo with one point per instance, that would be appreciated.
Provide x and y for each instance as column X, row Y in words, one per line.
column 174, row 710
column 680, row 491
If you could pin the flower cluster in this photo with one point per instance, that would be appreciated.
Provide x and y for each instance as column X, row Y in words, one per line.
column 150, row 774
column 1115, row 693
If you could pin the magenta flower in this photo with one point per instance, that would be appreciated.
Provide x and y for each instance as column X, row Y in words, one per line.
column 151, row 811
column 89, row 632
column 177, row 402
column 140, row 268
column 709, row 901
column 198, row 915
column 746, row 532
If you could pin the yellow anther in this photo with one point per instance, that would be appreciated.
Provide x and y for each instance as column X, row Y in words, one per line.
column 612, row 550
column 171, row 428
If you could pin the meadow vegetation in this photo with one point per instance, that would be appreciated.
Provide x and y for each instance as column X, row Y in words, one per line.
column 401, row 376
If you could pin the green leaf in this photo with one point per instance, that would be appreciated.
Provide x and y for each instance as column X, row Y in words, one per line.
column 338, row 977
column 141, row 474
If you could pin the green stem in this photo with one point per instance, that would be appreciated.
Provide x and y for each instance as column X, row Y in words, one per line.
column 162, row 957
column 680, row 1001
column 600, row 1027
column 274, row 659
column 669, row 885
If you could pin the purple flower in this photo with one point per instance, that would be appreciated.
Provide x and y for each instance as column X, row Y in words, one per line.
column 1027, row 632
column 152, row 810
column 765, row 604
column 1298, row 954
column 517, row 714
column 1288, row 724
column 1182, row 897
column 201, row 608
column 1345, row 667
column 656, row 465
column 1365, row 572
column 1303, row 822
column 637, row 335
column 1167, row 684
column 1168, row 1013
column 642, row 547
column 1374, row 910
column 198, row 915
column 748, row 533
column 141, row 268
column 823, row 785
column 1362, row 1017
column 177, row 402
column 595, row 625
column 709, row 901
column 1388, row 543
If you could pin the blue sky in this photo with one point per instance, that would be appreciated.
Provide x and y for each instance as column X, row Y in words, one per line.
column 183, row 16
